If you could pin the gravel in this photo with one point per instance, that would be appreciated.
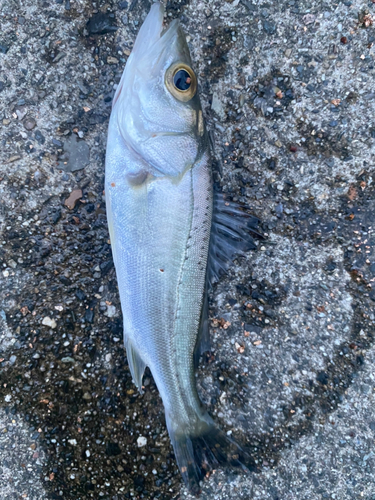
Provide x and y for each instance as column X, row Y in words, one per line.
column 287, row 95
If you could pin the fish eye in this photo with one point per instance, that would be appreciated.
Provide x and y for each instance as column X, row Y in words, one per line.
column 181, row 81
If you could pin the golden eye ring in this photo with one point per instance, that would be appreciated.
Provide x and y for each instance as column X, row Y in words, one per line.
column 181, row 81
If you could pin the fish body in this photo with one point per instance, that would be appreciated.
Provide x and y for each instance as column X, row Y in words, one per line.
column 160, row 210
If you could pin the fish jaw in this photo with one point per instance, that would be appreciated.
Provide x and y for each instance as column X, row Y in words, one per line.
column 148, row 35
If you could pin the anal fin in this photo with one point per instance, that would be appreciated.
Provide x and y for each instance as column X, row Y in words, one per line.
column 136, row 364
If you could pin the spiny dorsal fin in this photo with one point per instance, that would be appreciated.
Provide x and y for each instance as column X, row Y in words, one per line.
column 232, row 234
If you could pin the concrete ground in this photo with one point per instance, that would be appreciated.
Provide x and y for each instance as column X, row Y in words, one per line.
column 287, row 89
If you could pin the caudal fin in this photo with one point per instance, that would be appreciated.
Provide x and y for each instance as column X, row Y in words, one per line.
column 209, row 448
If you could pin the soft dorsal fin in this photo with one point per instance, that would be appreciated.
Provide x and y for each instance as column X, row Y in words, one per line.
column 232, row 234
column 203, row 340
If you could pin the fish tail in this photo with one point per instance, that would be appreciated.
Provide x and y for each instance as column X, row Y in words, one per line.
column 202, row 447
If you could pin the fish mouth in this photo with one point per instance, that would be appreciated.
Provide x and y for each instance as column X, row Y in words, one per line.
column 151, row 30
column 150, row 48
column 153, row 40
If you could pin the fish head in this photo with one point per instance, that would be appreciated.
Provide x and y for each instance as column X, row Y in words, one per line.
column 156, row 106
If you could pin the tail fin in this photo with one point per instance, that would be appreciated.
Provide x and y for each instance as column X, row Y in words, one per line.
column 205, row 448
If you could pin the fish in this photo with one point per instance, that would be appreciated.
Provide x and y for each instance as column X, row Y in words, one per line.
column 172, row 236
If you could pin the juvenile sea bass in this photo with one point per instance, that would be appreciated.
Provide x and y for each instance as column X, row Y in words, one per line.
column 170, row 235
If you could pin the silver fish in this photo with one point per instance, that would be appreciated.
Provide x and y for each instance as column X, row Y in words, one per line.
column 170, row 235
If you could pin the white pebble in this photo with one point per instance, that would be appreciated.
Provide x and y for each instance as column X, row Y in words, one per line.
column 47, row 321
column 111, row 311
column 141, row 441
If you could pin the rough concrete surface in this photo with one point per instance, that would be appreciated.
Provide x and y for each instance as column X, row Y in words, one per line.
column 288, row 94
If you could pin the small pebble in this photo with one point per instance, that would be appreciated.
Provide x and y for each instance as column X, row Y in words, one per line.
column 67, row 359
column 57, row 143
column 141, row 441
column 269, row 27
column 75, row 195
column 111, row 311
column 29, row 123
column 39, row 137
column 112, row 60
column 21, row 113
column 47, row 321
column 217, row 106
column 101, row 23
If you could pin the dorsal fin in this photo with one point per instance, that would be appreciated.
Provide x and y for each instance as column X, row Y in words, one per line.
column 232, row 234
column 203, row 340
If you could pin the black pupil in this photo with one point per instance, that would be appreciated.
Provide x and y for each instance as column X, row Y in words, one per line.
column 182, row 80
